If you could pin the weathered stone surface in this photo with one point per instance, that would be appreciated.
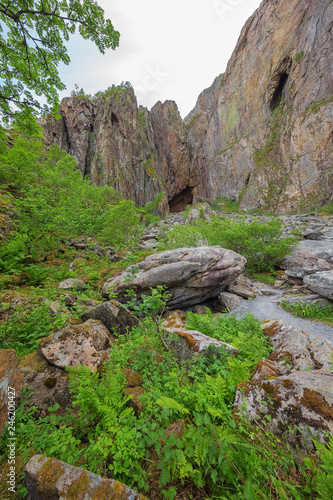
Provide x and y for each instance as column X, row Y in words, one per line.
column 114, row 316
column 135, row 393
column 242, row 291
column 296, row 382
column 191, row 275
column 47, row 384
column 72, row 284
column 309, row 257
column 261, row 134
column 302, row 398
column 10, row 385
column 230, row 300
column 47, row 478
column 201, row 211
column 190, row 342
column 321, row 283
column 85, row 344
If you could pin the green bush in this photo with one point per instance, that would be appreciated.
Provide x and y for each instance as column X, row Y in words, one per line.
column 261, row 243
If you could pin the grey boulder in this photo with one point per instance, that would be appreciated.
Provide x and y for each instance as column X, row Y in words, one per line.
column 190, row 275
column 309, row 257
column 321, row 283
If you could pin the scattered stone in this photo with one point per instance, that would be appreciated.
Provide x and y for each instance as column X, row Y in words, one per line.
column 321, row 282
column 191, row 275
column 266, row 291
column 114, row 316
column 72, row 284
column 85, row 344
column 241, row 291
column 47, row 478
column 230, row 301
column 133, row 378
column 309, row 257
column 10, row 385
column 202, row 211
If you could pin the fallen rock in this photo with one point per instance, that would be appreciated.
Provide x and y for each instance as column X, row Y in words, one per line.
column 202, row 211
column 241, row 291
column 190, row 342
column 135, row 393
column 85, row 344
column 72, row 284
column 10, row 385
column 191, row 275
column 47, row 478
column 47, row 385
column 230, row 301
column 309, row 257
column 321, row 283
column 114, row 316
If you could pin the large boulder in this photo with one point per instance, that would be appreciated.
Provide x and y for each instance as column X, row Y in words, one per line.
column 191, row 275
column 10, row 385
column 293, row 389
column 85, row 344
column 321, row 283
column 309, row 257
column 47, row 478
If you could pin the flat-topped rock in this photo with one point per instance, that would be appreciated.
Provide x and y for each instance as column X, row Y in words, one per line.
column 85, row 344
column 309, row 257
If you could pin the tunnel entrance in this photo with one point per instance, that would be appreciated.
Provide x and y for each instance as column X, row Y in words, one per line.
column 179, row 202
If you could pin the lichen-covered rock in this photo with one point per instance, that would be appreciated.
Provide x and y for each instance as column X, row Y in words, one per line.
column 114, row 316
column 190, row 275
column 72, row 284
column 85, row 344
column 10, row 385
column 47, row 478
column 201, row 211
column 190, row 342
column 321, row 283
column 309, row 257
column 46, row 384
column 302, row 400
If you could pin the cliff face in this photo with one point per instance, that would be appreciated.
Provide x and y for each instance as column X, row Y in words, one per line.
column 114, row 142
column 261, row 134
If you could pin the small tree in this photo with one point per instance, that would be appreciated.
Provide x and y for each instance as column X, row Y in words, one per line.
column 122, row 226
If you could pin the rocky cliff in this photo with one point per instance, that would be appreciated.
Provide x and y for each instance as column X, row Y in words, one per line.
column 261, row 134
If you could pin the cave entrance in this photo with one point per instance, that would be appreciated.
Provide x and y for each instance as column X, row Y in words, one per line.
column 179, row 202
column 278, row 93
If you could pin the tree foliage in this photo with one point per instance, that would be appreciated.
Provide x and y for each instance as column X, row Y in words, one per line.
column 32, row 44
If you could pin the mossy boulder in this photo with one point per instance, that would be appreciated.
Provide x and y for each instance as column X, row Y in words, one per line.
column 47, row 478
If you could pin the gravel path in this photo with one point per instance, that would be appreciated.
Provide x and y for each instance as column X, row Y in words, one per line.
column 267, row 307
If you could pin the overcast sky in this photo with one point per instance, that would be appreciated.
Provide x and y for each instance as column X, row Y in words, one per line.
column 168, row 49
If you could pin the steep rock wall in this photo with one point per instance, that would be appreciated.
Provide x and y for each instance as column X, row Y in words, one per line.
column 262, row 133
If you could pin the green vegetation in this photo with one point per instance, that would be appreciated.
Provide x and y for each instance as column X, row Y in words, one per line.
column 185, row 441
column 32, row 36
column 310, row 311
column 298, row 56
column 261, row 243
column 226, row 205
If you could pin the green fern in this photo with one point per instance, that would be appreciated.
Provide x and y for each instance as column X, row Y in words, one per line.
column 172, row 404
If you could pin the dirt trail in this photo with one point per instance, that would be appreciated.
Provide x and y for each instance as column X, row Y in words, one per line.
column 267, row 307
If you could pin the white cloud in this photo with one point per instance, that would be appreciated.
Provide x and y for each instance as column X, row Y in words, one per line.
column 186, row 43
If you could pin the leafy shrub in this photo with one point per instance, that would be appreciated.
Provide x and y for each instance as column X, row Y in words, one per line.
column 261, row 243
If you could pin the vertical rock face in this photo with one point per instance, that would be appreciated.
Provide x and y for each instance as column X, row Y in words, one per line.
column 261, row 134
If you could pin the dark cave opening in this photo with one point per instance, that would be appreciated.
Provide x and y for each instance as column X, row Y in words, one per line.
column 278, row 93
column 179, row 202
